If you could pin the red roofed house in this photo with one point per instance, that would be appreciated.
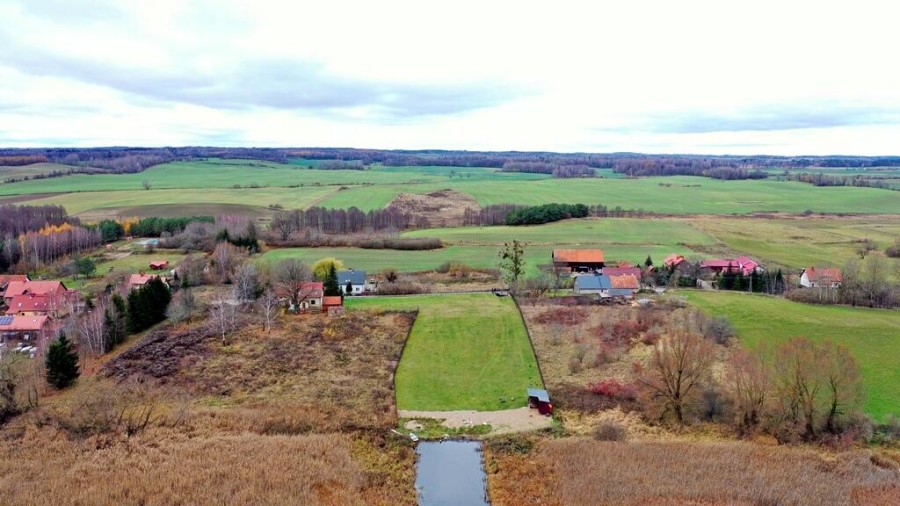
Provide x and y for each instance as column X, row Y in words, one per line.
column 6, row 279
column 58, row 298
column 33, row 329
column 30, row 304
column 743, row 265
column 333, row 305
column 822, row 277
column 158, row 265
column 139, row 280
column 623, row 271
column 577, row 260
column 310, row 295
column 673, row 260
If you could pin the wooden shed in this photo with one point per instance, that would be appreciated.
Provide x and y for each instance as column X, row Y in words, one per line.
column 539, row 399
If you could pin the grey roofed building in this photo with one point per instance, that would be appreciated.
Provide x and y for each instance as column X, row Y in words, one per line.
column 593, row 284
column 356, row 278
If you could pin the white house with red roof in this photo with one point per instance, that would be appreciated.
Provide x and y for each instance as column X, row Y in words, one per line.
column 821, row 277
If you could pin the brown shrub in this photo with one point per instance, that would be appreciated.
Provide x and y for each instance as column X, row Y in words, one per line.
column 563, row 315
column 610, row 430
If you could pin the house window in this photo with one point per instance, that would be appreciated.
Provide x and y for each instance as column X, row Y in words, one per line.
column 312, row 303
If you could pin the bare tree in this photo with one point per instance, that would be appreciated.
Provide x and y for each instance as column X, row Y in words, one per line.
column 289, row 276
column 246, row 285
column 268, row 306
column 183, row 306
column 146, row 184
column 679, row 365
column 747, row 384
column 842, row 383
column 222, row 315
column 92, row 332
column 226, row 258
column 799, row 384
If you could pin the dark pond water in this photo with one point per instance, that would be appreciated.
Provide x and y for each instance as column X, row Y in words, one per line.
column 450, row 473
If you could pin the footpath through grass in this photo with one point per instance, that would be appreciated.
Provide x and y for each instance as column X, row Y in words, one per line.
column 871, row 335
column 464, row 352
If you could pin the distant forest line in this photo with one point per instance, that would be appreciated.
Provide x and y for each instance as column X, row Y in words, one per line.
column 563, row 165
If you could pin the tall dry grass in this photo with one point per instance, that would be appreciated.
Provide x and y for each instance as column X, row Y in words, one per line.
column 593, row 472
column 161, row 468
column 298, row 416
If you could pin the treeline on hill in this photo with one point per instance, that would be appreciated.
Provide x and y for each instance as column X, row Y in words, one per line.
column 15, row 220
column 16, row 161
column 341, row 221
column 546, row 213
column 511, row 214
column 714, row 167
column 554, row 169
column 113, row 230
column 819, row 179
column 321, row 227
column 133, row 159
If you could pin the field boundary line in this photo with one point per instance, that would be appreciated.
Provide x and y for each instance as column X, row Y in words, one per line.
column 530, row 341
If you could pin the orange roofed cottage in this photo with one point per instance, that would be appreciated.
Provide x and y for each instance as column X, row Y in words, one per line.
column 821, row 277
column 139, row 280
column 577, row 260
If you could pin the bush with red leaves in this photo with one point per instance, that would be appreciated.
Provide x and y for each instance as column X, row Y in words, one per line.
column 614, row 389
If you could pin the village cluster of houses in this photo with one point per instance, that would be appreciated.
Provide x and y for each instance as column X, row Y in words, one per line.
column 32, row 311
column 311, row 296
column 593, row 277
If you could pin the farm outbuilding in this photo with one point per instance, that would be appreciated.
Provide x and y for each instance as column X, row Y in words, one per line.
column 586, row 284
column 539, row 399
column 577, row 260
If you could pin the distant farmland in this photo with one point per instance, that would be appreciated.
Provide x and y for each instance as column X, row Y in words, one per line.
column 262, row 184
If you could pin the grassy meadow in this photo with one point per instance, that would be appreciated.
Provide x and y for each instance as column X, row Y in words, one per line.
column 871, row 335
column 261, row 184
column 464, row 352
column 789, row 243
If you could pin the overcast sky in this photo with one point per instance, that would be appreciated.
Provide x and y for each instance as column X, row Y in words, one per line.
column 766, row 77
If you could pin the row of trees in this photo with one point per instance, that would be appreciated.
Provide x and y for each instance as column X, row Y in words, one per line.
column 113, row 230
column 801, row 390
column 339, row 221
column 546, row 213
column 556, row 169
column 32, row 250
column 819, row 179
column 688, row 166
column 16, row 220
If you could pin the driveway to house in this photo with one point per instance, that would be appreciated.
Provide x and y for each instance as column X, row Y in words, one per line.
column 504, row 421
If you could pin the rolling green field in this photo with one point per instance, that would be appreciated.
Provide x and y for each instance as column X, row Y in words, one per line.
column 800, row 243
column 261, row 184
column 791, row 244
column 464, row 352
column 479, row 257
column 871, row 335
column 35, row 169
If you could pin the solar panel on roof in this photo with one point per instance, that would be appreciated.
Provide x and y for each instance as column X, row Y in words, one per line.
column 6, row 320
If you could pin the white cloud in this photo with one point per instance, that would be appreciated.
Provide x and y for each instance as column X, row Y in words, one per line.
column 705, row 77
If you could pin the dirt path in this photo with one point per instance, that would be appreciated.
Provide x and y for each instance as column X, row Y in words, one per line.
column 508, row 420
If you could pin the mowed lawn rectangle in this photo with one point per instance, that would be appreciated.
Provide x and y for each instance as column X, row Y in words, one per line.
column 871, row 335
column 464, row 352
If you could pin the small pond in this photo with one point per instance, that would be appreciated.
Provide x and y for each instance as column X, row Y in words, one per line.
column 450, row 473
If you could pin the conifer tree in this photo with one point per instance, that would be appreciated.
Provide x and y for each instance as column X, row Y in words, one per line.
column 61, row 363
column 331, row 283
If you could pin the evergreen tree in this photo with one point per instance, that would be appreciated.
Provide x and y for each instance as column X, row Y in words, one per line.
column 61, row 363
column 349, row 288
column 331, row 282
column 648, row 262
